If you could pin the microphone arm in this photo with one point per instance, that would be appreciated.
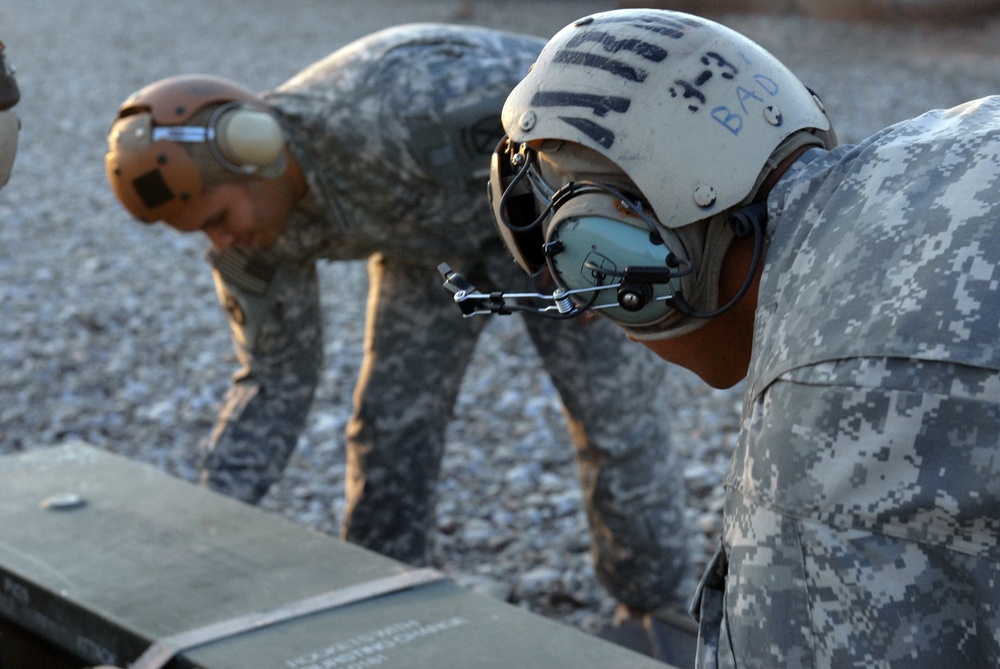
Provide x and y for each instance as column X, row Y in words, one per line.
column 554, row 305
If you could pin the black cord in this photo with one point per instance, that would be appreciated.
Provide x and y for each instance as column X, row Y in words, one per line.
column 509, row 192
column 754, row 216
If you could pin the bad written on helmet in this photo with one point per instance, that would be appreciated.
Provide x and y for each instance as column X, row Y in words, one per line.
column 175, row 135
column 632, row 127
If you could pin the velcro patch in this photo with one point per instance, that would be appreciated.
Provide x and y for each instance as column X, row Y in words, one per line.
column 243, row 270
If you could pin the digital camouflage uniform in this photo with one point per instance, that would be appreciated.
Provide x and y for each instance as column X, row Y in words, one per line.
column 863, row 506
column 394, row 133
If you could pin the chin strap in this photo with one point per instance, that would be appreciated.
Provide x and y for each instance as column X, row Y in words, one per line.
column 745, row 221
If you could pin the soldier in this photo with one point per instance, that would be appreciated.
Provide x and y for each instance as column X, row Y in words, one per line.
column 381, row 151
column 689, row 187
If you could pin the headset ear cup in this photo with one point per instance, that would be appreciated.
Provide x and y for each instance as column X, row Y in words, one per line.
column 249, row 137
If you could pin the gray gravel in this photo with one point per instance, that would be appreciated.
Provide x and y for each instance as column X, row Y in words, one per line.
column 111, row 333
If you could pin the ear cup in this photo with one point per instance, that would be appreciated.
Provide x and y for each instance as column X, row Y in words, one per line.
column 249, row 137
column 593, row 242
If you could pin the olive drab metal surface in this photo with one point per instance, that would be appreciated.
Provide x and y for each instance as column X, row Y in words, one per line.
column 110, row 561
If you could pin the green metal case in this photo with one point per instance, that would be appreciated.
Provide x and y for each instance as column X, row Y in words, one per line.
column 108, row 561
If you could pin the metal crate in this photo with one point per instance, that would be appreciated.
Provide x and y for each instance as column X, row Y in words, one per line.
column 107, row 561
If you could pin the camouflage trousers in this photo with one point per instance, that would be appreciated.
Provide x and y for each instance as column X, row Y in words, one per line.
column 417, row 348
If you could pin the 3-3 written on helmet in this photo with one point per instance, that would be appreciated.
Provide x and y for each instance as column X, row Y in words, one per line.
column 688, row 114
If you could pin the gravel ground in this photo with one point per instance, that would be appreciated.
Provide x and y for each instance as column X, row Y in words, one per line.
column 110, row 334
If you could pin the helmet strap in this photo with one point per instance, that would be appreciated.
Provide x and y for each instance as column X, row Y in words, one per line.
column 723, row 229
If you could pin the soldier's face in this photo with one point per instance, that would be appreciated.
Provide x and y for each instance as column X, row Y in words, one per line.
column 719, row 352
column 250, row 214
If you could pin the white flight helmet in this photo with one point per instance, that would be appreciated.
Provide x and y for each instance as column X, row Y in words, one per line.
column 631, row 126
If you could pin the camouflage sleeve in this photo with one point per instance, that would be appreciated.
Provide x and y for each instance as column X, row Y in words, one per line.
column 276, row 322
